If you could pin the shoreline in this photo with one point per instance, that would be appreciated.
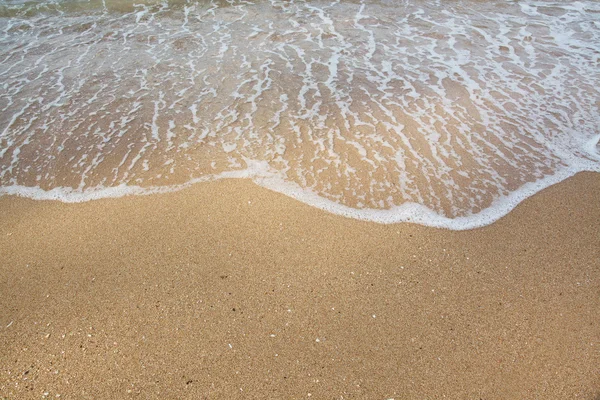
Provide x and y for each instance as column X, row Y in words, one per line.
column 406, row 213
column 228, row 290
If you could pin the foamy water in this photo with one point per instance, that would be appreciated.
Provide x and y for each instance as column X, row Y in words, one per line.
column 445, row 113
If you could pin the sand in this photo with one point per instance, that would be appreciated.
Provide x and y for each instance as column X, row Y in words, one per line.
column 227, row 290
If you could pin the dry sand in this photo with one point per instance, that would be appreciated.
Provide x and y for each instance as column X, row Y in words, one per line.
column 227, row 290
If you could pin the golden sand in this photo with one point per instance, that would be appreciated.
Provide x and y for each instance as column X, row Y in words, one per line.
column 227, row 290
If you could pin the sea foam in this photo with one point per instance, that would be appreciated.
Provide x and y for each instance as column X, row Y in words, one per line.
column 443, row 114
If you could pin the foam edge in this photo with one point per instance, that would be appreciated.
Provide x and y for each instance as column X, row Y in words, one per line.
column 256, row 171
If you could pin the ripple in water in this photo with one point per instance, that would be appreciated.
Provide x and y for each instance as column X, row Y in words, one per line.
column 444, row 113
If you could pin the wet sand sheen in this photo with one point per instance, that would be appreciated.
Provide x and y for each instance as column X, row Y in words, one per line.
column 227, row 290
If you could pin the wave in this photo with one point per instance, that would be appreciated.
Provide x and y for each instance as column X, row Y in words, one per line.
column 444, row 114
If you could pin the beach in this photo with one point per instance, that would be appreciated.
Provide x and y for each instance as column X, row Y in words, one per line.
column 228, row 290
column 209, row 199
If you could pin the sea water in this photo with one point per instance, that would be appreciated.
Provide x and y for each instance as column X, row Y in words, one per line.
column 445, row 113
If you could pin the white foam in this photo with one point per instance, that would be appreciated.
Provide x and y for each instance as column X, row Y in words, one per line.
column 379, row 111
column 260, row 173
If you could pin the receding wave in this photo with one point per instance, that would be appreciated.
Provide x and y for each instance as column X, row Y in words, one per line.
column 446, row 113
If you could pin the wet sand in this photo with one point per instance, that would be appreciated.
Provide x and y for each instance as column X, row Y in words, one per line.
column 227, row 290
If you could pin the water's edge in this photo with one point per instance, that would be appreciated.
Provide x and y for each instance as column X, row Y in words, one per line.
column 408, row 212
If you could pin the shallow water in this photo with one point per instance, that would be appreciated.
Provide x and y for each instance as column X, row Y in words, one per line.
column 444, row 113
